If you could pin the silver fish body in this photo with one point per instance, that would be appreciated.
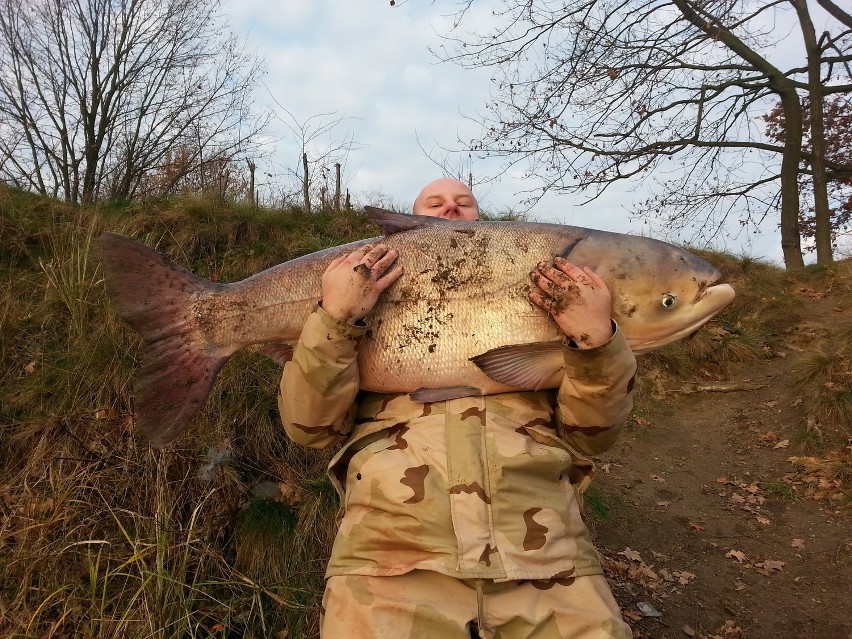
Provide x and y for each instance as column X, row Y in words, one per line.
column 457, row 322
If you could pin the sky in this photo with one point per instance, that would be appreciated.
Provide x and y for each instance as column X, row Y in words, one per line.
column 369, row 65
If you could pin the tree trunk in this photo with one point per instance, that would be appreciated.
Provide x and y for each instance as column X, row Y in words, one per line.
column 822, row 212
column 790, row 239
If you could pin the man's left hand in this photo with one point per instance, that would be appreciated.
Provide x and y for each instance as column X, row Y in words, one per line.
column 576, row 298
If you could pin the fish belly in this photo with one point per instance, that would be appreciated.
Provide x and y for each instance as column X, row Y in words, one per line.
column 462, row 294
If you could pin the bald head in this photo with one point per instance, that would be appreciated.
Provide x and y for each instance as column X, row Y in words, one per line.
column 447, row 198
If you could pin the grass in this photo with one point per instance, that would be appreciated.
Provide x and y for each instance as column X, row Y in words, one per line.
column 781, row 491
column 103, row 536
column 825, row 382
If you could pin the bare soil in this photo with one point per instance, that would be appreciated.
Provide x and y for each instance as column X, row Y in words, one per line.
column 710, row 521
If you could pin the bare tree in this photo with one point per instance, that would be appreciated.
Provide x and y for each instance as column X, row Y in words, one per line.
column 596, row 92
column 94, row 94
column 320, row 149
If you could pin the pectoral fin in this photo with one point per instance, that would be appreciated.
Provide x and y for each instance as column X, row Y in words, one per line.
column 531, row 366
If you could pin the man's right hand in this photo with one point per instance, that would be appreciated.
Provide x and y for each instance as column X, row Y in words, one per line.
column 352, row 284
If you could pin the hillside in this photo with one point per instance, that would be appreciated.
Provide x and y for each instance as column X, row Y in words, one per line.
column 725, row 506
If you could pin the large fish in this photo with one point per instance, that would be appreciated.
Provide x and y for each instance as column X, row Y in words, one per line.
column 457, row 323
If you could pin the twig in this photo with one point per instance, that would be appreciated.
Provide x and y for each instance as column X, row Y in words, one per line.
column 731, row 388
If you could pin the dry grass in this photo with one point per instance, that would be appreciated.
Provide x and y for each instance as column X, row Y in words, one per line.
column 103, row 536
column 825, row 381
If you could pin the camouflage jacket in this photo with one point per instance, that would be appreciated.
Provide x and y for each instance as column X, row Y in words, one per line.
column 477, row 487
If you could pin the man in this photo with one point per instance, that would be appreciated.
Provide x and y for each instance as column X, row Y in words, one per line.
column 462, row 516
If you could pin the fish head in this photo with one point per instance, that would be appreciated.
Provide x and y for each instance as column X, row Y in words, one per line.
column 660, row 292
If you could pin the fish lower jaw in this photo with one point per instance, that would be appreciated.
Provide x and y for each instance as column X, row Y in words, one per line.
column 649, row 344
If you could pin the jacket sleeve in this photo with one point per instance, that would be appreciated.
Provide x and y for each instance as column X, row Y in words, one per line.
column 596, row 394
column 317, row 393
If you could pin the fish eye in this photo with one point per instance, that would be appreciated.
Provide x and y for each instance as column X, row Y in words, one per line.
column 669, row 300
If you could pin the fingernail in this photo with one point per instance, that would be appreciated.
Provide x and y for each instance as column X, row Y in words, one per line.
column 559, row 258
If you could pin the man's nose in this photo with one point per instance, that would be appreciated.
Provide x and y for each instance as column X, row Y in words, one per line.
column 451, row 209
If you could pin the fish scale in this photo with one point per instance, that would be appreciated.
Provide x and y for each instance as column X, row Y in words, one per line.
column 457, row 323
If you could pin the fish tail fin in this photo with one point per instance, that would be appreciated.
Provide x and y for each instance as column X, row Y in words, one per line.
column 154, row 295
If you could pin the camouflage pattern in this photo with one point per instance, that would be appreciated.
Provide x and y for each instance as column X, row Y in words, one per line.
column 472, row 488
column 429, row 604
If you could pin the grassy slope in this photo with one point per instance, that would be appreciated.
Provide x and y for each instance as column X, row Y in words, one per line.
column 226, row 533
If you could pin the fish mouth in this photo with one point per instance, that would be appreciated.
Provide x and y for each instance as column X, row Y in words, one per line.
column 708, row 301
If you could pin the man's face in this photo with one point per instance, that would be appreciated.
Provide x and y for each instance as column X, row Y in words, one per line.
column 447, row 198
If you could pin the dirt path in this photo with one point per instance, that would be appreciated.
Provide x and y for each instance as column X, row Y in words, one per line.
column 709, row 522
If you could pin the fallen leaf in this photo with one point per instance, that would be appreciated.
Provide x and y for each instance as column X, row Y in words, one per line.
column 106, row 413
column 768, row 437
column 689, row 631
column 736, row 554
column 730, row 630
column 631, row 615
column 770, row 565
column 798, row 543
column 683, row 576
column 739, row 585
column 30, row 368
column 764, row 521
column 633, row 555
column 782, row 444
column 695, row 527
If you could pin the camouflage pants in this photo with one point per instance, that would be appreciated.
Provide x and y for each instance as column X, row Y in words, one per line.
column 423, row 604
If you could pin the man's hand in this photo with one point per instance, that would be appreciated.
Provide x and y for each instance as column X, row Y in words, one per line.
column 352, row 284
column 577, row 299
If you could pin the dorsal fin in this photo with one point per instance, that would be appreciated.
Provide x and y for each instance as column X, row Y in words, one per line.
column 391, row 222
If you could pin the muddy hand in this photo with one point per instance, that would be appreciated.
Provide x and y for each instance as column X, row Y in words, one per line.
column 352, row 284
column 577, row 299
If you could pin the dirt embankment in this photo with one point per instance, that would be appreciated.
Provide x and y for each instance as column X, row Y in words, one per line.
column 728, row 512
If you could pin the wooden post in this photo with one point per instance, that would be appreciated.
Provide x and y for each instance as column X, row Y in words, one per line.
column 252, row 167
column 337, row 187
column 305, row 191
